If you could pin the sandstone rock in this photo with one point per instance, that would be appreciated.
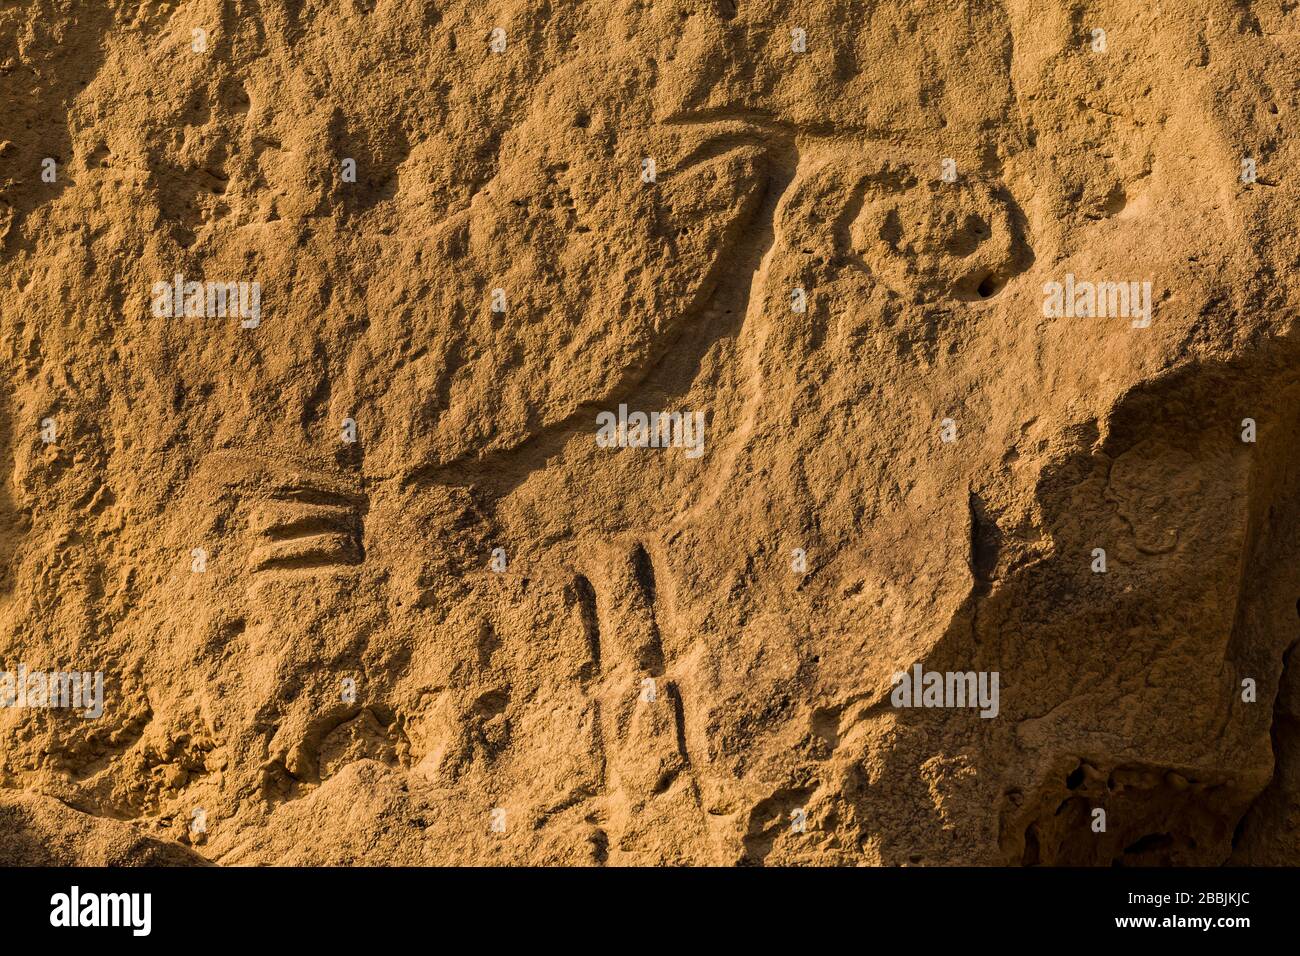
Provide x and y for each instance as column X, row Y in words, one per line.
column 363, row 585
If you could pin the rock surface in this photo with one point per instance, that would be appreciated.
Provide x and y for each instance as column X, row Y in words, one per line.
column 475, row 634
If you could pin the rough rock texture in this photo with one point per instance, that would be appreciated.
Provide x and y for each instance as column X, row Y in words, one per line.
column 308, row 644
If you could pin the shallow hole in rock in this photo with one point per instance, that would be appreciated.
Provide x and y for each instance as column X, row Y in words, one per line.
column 1152, row 841
column 990, row 286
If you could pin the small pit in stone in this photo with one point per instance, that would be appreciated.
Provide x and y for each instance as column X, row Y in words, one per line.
column 990, row 286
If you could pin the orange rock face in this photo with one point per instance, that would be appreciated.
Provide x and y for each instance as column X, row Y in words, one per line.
column 708, row 432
